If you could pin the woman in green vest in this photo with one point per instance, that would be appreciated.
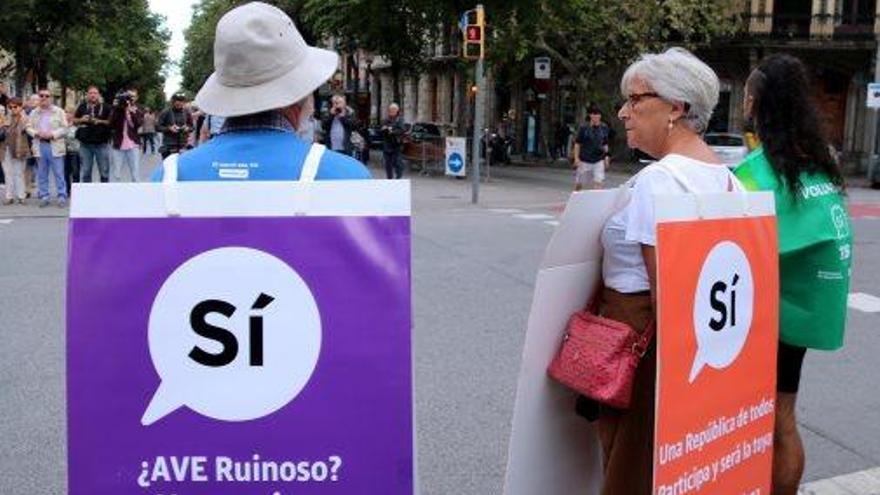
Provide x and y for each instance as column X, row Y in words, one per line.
column 815, row 241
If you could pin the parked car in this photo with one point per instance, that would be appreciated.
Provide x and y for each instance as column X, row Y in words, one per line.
column 374, row 138
column 730, row 148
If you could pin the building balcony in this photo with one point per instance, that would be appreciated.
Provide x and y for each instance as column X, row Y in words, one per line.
column 782, row 26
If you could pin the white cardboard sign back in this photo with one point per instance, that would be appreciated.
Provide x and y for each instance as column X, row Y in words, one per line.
column 553, row 451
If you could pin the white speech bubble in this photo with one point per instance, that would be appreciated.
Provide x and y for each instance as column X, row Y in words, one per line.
column 222, row 288
column 723, row 307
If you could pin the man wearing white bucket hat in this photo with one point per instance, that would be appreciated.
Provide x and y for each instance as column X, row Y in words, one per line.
column 263, row 80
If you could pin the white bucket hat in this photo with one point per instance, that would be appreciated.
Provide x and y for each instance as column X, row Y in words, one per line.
column 261, row 62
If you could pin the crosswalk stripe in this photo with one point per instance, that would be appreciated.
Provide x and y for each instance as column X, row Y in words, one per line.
column 864, row 302
column 5, row 221
column 865, row 482
column 505, row 211
column 534, row 216
column 554, row 223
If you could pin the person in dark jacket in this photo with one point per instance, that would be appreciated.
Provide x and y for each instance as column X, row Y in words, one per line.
column 338, row 126
column 93, row 120
column 175, row 124
column 125, row 120
column 392, row 141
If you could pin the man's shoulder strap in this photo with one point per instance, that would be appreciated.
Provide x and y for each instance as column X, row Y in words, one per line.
column 313, row 160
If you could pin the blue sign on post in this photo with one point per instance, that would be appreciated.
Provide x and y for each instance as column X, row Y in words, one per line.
column 455, row 162
column 873, row 100
column 456, row 153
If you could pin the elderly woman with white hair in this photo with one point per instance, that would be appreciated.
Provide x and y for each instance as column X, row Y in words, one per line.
column 669, row 100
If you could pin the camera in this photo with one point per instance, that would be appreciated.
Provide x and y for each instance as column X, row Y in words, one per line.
column 123, row 98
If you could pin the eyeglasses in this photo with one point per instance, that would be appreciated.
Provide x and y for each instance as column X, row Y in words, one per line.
column 634, row 99
column 44, row 95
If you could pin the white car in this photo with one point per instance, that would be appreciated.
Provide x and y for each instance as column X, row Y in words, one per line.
column 730, row 148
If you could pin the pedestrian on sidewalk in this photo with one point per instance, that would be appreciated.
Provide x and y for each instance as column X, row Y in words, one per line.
column 148, row 131
column 175, row 123
column 338, row 126
column 669, row 100
column 125, row 120
column 392, row 141
column 794, row 158
column 265, row 102
column 30, row 169
column 563, row 132
column 591, row 147
column 3, row 122
column 18, row 151
column 92, row 117
column 71, row 155
column 47, row 125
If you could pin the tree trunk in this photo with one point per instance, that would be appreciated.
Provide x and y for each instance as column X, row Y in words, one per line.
column 41, row 73
column 20, row 80
column 458, row 107
column 395, row 82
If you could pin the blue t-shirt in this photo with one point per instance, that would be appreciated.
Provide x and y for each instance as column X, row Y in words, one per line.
column 259, row 155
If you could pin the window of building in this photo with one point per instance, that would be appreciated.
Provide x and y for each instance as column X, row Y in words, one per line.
column 791, row 18
column 858, row 12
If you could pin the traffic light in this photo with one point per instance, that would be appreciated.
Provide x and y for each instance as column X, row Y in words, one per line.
column 474, row 33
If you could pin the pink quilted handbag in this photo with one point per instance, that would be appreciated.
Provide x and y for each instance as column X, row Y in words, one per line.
column 599, row 356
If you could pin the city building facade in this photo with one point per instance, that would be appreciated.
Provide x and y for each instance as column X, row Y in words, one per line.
column 837, row 39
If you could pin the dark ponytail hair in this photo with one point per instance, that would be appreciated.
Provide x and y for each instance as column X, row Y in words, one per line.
column 788, row 123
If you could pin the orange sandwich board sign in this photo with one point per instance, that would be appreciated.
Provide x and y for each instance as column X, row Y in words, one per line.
column 718, row 298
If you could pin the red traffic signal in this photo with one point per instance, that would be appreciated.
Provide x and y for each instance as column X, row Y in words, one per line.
column 474, row 34
column 473, row 22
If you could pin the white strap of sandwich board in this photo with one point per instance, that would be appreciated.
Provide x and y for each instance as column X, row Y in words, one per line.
column 732, row 186
column 307, row 177
column 169, row 185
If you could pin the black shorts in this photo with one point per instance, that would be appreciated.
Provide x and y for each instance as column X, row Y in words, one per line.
column 789, row 360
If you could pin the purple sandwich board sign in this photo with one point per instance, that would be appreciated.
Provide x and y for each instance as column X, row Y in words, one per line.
column 257, row 341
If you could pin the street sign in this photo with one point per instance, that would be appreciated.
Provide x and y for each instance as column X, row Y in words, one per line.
column 456, row 151
column 717, row 331
column 873, row 100
column 542, row 67
column 263, row 346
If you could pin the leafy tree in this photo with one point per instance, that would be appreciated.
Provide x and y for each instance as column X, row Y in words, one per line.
column 197, row 62
column 588, row 38
column 398, row 30
column 113, row 45
column 585, row 37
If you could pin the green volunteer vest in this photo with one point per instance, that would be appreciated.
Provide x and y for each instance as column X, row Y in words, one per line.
column 815, row 254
